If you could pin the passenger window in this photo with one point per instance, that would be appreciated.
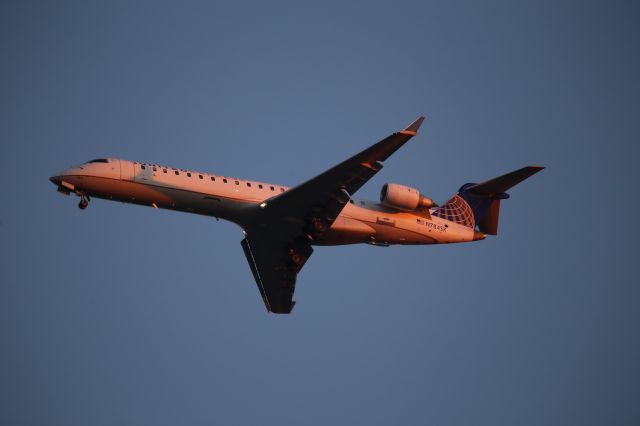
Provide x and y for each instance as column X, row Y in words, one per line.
column 142, row 167
column 155, row 169
column 189, row 174
column 177, row 172
column 260, row 186
column 249, row 184
column 281, row 189
column 237, row 183
column 213, row 179
column 164, row 170
column 272, row 188
column 200, row 176
column 224, row 180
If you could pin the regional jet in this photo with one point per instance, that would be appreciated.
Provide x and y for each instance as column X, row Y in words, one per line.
column 281, row 225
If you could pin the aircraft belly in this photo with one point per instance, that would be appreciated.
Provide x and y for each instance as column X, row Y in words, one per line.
column 157, row 196
column 345, row 230
column 128, row 192
column 399, row 235
column 351, row 226
column 453, row 233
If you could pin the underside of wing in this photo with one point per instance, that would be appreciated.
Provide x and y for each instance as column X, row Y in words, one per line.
column 275, row 265
column 277, row 242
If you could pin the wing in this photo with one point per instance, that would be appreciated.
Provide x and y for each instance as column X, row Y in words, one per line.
column 324, row 196
column 275, row 264
column 277, row 244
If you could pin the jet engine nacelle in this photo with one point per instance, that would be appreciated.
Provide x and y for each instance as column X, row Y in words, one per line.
column 404, row 198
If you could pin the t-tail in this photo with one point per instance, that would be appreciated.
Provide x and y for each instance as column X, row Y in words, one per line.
column 478, row 204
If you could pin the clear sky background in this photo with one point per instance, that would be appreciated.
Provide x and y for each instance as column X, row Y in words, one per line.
column 124, row 315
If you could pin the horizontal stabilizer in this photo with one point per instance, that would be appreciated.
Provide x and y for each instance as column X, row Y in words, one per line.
column 501, row 184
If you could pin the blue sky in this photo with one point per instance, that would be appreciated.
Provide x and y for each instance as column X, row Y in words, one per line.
column 127, row 315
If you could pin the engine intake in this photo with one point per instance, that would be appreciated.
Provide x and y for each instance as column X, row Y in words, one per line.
column 404, row 198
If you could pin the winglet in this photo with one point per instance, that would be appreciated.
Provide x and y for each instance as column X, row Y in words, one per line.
column 412, row 129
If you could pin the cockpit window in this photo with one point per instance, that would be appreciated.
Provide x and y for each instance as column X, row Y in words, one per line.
column 98, row 160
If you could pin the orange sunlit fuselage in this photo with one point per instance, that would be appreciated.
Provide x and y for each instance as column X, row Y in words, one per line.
column 243, row 201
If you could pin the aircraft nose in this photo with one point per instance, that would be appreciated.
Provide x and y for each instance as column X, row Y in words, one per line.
column 56, row 180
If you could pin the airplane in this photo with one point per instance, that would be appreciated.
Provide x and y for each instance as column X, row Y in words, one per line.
column 281, row 224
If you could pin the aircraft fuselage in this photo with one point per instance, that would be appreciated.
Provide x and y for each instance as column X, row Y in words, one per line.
column 244, row 201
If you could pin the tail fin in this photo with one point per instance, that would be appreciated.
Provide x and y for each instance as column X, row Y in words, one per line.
column 479, row 203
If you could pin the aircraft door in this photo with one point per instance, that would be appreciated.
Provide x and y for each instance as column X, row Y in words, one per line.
column 126, row 170
column 142, row 172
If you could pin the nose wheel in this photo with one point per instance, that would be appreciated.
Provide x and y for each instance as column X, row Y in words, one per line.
column 84, row 202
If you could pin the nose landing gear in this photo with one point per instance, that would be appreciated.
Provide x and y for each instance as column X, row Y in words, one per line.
column 84, row 201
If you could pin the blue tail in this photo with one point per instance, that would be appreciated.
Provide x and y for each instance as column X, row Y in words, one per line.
column 479, row 203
